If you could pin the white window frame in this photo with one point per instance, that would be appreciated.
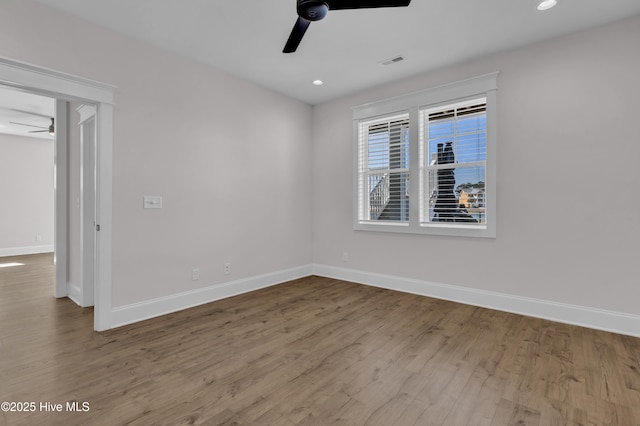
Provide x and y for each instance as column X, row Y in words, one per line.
column 482, row 86
column 365, row 172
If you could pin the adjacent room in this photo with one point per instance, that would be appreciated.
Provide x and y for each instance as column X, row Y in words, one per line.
column 306, row 212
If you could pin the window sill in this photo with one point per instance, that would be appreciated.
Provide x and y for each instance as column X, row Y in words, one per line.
column 473, row 231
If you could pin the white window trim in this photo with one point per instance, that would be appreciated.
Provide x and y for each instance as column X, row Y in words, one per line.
column 364, row 204
column 484, row 85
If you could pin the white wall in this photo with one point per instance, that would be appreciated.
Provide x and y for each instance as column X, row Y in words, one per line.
column 236, row 164
column 26, row 195
column 567, row 171
column 231, row 159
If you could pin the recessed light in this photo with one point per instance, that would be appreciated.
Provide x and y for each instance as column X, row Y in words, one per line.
column 318, row 82
column 547, row 4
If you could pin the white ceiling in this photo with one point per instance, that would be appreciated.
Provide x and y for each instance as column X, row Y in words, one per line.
column 28, row 109
column 246, row 38
column 344, row 50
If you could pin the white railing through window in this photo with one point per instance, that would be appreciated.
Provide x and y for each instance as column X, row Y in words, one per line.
column 379, row 195
column 383, row 169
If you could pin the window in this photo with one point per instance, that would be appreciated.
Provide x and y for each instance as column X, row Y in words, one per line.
column 453, row 152
column 443, row 139
column 384, row 169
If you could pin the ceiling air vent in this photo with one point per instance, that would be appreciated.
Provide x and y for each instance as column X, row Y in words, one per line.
column 393, row 60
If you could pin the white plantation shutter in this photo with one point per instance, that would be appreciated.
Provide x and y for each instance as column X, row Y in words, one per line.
column 383, row 169
column 453, row 147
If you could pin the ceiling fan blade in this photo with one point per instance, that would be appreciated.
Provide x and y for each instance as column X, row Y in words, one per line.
column 30, row 125
column 364, row 4
column 299, row 28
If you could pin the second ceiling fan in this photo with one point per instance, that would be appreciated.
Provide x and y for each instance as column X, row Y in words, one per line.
column 315, row 10
column 50, row 129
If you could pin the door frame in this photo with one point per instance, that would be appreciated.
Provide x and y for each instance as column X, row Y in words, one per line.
column 66, row 87
column 87, row 126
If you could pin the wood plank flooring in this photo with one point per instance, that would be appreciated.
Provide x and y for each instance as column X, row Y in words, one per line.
column 314, row 351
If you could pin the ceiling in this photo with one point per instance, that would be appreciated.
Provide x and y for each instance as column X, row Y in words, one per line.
column 28, row 109
column 345, row 49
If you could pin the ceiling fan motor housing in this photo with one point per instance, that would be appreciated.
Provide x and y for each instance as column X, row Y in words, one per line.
column 312, row 10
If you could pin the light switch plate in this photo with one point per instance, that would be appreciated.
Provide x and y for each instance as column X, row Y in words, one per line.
column 152, row 202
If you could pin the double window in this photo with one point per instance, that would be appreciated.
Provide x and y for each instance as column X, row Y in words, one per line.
column 442, row 140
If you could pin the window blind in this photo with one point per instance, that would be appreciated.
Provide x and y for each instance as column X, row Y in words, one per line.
column 453, row 153
column 383, row 170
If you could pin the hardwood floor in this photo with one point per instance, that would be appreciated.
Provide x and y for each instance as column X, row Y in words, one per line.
column 314, row 351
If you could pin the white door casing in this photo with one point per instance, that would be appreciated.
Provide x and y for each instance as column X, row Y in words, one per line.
column 87, row 201
column 61, row 189
column 67, row 87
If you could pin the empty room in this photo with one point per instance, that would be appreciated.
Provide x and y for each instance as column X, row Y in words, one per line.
column 306, row 212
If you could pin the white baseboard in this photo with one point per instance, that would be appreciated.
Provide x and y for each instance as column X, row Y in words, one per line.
column 599, row 319
column 19, row 251
column 135, row 312
column 74, row 293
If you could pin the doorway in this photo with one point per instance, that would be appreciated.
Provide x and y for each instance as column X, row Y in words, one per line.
column 66, row 88
column 26, row 172
column 44, row 166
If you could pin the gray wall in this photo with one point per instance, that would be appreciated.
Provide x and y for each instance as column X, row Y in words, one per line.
column 231, row 159
column 567, row 172
column 263, row 181
column 26, row 195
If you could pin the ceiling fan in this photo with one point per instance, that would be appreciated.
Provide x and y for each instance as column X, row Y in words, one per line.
column 315, row 10
column 50, row 129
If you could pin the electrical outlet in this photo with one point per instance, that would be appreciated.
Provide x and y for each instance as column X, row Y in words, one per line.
column 38, row 237
column 195, row 274
column 345, row 256
column 227, row 268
